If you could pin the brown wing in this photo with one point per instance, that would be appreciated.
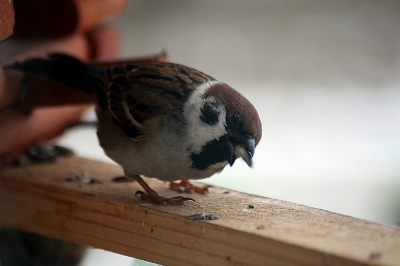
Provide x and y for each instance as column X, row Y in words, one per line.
column 130, row 95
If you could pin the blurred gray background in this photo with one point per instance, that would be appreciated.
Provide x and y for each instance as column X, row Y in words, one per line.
column 324, row 76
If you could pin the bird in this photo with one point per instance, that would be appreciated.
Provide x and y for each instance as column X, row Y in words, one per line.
column 160, row 120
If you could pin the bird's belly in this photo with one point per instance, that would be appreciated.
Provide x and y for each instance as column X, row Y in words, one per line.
column 152, row 157
column 166, row 167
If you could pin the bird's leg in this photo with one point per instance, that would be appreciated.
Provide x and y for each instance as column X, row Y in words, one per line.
column 152, row 196
column 186, row 186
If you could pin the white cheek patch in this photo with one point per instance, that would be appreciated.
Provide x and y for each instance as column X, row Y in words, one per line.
column 198, row 131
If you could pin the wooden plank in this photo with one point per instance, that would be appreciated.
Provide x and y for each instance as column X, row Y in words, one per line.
column 107, row 215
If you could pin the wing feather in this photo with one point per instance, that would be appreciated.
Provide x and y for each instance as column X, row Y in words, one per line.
column 130, row 95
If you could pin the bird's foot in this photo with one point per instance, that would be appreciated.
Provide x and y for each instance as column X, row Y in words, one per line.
column 186, row 186
column 154, row 197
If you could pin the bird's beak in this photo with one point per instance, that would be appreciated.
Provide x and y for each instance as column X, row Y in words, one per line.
column 245, row 150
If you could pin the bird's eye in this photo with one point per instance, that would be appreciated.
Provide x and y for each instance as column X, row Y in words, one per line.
column 235, row 119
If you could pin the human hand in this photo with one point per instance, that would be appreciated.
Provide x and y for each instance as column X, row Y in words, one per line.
column 22, row 122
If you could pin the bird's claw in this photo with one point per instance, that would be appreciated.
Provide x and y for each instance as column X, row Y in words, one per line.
column 179, row 200
column 187, row 187
column 156, row 198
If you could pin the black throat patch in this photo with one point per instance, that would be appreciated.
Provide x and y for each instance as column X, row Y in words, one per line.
column 215, row 151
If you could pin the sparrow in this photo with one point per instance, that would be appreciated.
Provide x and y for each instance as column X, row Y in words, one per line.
column 160, row 120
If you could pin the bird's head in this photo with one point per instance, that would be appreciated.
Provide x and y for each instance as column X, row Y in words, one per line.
column 225, row 124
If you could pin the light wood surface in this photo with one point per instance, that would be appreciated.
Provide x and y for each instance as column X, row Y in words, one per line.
column 42, row 199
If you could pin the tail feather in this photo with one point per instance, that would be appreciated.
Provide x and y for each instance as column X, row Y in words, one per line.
column 62, row 68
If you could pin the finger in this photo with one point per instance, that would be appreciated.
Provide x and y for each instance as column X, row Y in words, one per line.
column 20, row 130
column 105, row 43
column 49, row 18
column 18, row 50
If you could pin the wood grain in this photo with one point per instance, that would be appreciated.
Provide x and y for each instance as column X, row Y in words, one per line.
column 43, row 199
